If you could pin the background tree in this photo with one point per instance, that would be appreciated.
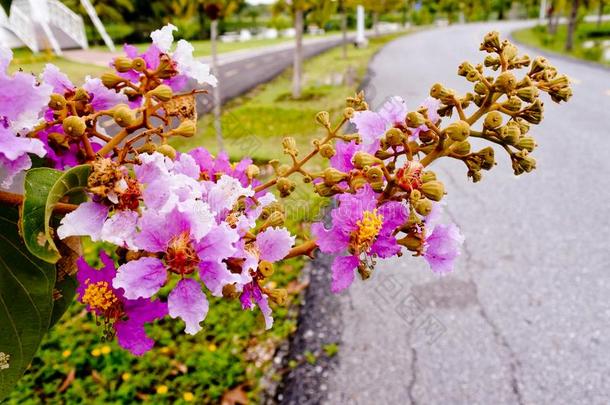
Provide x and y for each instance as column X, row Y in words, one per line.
column 107, row 10
column 379, row 8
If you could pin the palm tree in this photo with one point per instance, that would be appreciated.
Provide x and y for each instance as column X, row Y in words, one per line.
column 107, row 10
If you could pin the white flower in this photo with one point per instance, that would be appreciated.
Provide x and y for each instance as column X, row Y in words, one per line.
column 164, row 37
column 189, row 66
column 225, row 193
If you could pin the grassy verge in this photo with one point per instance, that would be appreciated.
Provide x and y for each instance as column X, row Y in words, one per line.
column 586, row 34
column 233, row 351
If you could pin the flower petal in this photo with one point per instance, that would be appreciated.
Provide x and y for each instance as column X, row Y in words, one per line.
column 188, row 302
column 164, row 37
column 120, row 229
column 140, row 278
column 87, row 220
column 131, row 334
column 343, row 272
column 274, row 243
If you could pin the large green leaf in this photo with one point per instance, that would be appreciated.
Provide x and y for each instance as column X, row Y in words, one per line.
column 72, row 181
column 26, row 288
column 38, row 184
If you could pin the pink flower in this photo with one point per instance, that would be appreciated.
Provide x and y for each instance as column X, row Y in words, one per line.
column 126, row 317
column 442, row 247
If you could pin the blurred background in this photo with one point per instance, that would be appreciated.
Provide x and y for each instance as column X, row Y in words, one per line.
column 525, row 318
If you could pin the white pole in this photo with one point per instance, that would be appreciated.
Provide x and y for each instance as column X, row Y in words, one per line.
column 542, row 15
column 360, row 38
column 98, row 24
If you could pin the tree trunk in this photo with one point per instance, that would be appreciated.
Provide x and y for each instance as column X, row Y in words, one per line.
column 216, row 90
column 344, row 32
column 297, row 74
column 376, row 23
column 600, row 12
column 572, row 25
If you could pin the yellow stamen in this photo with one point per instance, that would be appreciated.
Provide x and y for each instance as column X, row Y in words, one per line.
column 368, row 229
column 99, row 296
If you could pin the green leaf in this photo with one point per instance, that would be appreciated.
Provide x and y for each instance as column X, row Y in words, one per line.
column 38, row 184
column 26, row 288
column 67, row 289
column 72, row 181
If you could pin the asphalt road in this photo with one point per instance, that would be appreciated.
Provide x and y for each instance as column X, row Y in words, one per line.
column 525, row 317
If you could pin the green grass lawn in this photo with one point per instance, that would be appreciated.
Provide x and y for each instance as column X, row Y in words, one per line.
column 204, row 47
column 75, row 365
column 539, row 37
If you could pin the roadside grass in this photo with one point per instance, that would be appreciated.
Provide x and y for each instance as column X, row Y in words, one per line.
column 233, row 351
column 540, row 37
column 25, row 60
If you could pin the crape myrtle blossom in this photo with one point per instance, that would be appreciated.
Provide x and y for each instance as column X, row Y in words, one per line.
column 360, row 232
column 22, row 100
column 442, row 244
column 124, row 317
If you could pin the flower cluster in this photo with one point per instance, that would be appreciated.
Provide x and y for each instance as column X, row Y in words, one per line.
column 191, row 225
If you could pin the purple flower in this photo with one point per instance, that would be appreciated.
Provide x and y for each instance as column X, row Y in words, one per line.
column 126, row 316
column 212, row 167
column 22, row 100
column 442, row 247
column 252, row 295
column 360, row 229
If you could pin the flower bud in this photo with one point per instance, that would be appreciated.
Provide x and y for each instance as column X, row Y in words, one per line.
column 423, row 207
column 527, row 94
column 324, row 190
column 81, row 95
column 480, row 88
column 527, row 142
column 276, row 218
column 122, row 64
column 57, row 102
column 487, row 156
column 168, row 151
column 265, row 268
column 348, row 113
column 510, row 133
column 285, row 186
column 561, row 95
column 493, row 120
column 148, row 147
column 357, row 182
column 363, row 159
column 506, row 82
column 333, row 176
column 538, row 65
column 229, row 291
column 124, row 116
column 275, row 206
column 458, row 131
column 415, row 119
column 461, row 148
column 111, row 80
column 434, row 190
column 492, row 61
column 57, row 140
column 74, row 126
column 138, row 64
column 428, row 176
column 440, row 92
column 327, row 151
column 512, row 104
column 374, row 174
column 279, row 296
column 533, row 113
column 252, row 171
column 162, row 92
column 187, row 128
column 394, row 137
column 290, row 146
column 323, row 118
column 491, row 42
column 412, row 242
column 414, row 196
column 509, row 52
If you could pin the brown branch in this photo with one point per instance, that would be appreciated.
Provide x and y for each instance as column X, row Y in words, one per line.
column 13, row 199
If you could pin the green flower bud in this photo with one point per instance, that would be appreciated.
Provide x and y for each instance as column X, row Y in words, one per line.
column 323, row 118
column 492, row 61
column 357, row 182
column 148, row 147
column 230, row 292
column 415, row 119
column 434, row 190
column 124, row 116
column 461, row 148
column 561, row 95
column 333, row 176
column 122, row 64
column 111, row 80
column 458, row 131
column 162, row 93
column 348, row 113
column 440, row 92
column 414, row 196
column 412, row 242
column 423, row 207
column 473, row 76
column 527, row 142
column 480, row 88
column 527, row 94
column 374, row 174
column 512, row 104
column 81, row 95
column 271, row 208
column 493, row 120
column 327, row 151
column 394, row 137
column 57, row 102
column 506, row 82
column 276, row 218
column 187, row 128
column 525, row 82
column 74, row 126
column 265, row 268
column 324, row 190
column 285, row 186
column 538, row 65
column 533, row 113
column 527, row 163
column 290, row 145
column 465, row 68
column 491, row 42
column 168, row 151
column 57, row 140
column 363, row 159
column 510, row 133
column 138, row 64
column 428, row 176
column 509, row 52
column 279, row 296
